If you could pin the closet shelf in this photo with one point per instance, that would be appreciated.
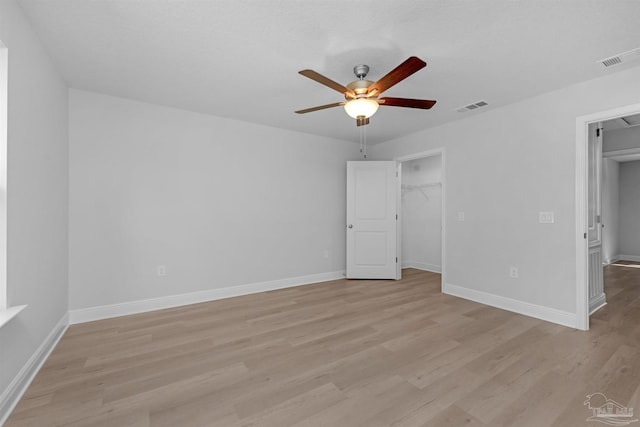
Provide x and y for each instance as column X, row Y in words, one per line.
column 418, row 186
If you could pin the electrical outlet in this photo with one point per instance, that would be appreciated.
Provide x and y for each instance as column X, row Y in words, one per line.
column 161, row 270
column 460, row 216
column 513, row 272
column 325, row 253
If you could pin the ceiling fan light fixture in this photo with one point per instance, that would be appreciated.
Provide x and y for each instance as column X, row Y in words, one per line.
column 361, row 107
column 362, row 96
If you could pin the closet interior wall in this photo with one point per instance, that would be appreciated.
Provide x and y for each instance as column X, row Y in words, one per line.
column 422, row 213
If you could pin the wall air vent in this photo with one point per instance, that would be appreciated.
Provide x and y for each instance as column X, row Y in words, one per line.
column 630, row 55
column 473, row 106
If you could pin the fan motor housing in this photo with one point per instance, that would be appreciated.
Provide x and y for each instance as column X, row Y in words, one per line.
column 360, row 86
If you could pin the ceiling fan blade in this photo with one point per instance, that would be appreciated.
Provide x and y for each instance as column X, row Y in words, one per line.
column 396, row 75
column 423, row 104
column 328, row 82
column 320, row 107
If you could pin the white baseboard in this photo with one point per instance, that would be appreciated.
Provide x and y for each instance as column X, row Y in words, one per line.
column 548, row 314
column 141, row 306
column 635, row 258
column 11, row 396
column 422, row 266
column 611, row 260
column 597, row 303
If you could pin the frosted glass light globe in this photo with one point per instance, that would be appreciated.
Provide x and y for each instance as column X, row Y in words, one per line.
column 361, row 107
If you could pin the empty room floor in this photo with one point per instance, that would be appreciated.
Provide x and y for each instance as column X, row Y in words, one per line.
column 342, row 353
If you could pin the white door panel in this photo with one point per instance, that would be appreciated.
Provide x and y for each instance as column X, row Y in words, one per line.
column 597, row 296
column 594, row 184
column 370, row 247
column 370, row 193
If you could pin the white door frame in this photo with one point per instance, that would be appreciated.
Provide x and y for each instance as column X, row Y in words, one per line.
column 582, row 244
column 429, row 153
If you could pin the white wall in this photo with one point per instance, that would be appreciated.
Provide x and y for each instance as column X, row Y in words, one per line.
column 219, row 202
column 37, row 199
column 503, row 167
column 422, row 214
column 610, row 210
column 621, row 139
column 630, row 210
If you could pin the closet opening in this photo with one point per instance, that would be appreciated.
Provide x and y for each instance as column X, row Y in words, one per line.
column 422, row 212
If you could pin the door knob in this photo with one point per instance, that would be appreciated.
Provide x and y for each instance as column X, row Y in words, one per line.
column 350, row 225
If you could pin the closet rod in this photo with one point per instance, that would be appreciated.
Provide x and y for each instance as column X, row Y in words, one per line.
column 431, row 184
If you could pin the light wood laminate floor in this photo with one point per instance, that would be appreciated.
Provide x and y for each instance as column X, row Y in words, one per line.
column 341, row 353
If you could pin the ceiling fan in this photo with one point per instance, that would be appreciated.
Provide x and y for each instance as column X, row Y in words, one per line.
column 361, row 96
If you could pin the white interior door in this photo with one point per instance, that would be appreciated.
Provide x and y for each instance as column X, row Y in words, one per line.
column 594, row 223
column 372, row 220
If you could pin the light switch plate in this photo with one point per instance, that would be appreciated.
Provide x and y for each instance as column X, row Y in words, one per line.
column 546, row 218
column 460, row 216
column 513, row 272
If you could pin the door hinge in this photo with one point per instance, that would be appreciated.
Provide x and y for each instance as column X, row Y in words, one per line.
column 585, row 235
column 396, row 174
column 396, row 217
column 598, row 219
column 396, row 260
column 598, row 132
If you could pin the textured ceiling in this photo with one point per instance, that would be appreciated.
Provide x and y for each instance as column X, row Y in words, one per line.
column 239, row 58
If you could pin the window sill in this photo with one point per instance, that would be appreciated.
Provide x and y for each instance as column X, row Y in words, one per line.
column 10, row 313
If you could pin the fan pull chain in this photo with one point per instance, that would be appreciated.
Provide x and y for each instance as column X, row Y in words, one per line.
column 363, row 142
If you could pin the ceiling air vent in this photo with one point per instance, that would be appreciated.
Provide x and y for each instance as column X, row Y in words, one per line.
column 631, row 120
column 630, row 55
column 473, row 106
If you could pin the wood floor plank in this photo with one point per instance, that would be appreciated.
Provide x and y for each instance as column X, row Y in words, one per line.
column 340, row 354
column 295, row 409
column 453, row 416
column 539, row 405
column 493, row 396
